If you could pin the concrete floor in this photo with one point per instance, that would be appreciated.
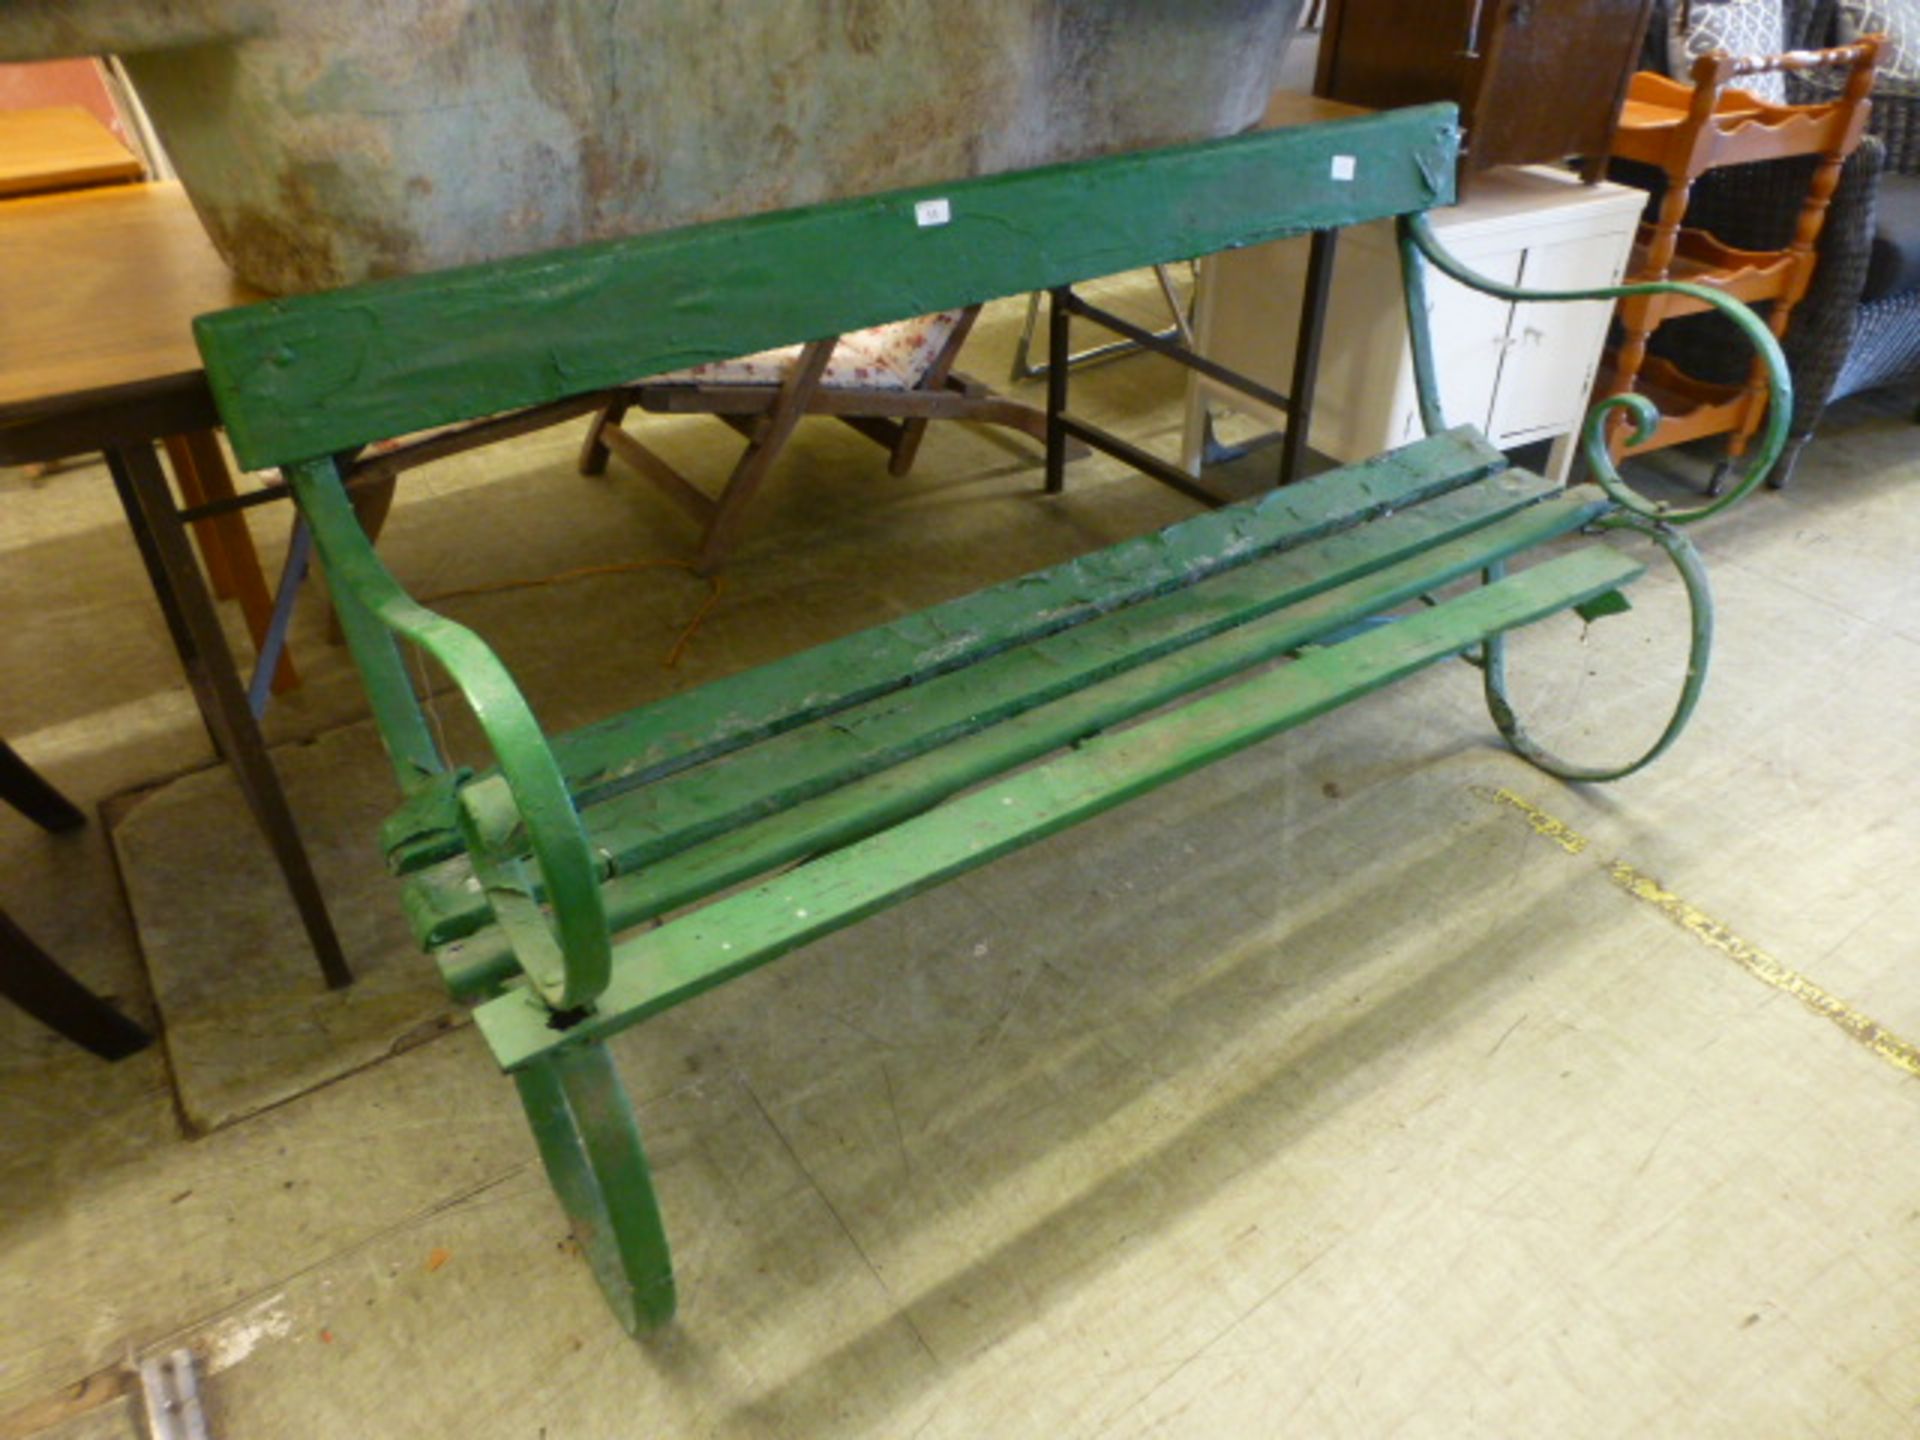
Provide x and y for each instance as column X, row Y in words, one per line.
column 1369, row 1084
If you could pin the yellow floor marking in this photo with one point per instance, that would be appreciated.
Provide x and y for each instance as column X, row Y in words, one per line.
column 1896, row 1051
column 1544, row 825
column 1762, row 966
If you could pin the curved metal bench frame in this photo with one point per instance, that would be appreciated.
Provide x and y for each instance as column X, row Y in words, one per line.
column 1419, row 248
column 303, row 381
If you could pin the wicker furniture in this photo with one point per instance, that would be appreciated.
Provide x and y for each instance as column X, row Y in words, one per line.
column 1858, row 326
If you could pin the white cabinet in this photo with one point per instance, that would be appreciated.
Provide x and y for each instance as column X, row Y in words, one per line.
column 1520, row 372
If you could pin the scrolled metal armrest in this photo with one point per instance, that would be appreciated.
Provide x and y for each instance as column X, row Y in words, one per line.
column 1418, row 243
column 569, row 957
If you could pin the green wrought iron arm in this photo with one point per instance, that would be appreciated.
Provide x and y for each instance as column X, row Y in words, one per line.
column 1418, row 244
column 568, row 957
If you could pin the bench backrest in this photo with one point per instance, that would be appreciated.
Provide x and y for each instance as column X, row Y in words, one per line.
column 311, row 376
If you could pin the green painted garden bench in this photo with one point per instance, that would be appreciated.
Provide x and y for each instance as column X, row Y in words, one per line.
column 773, row 806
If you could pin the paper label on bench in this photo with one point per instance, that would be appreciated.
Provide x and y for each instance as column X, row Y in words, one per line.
column 932, row 212
column 1343, row 167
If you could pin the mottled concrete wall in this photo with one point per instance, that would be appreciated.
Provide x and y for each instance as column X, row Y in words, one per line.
column 330, row 142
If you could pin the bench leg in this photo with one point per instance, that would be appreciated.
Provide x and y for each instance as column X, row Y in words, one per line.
column 591, row 1145
column 1693, row 575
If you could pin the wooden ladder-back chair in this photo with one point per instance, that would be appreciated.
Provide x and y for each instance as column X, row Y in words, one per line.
column 226, row 545
column 886, row 382
column 1684, row 131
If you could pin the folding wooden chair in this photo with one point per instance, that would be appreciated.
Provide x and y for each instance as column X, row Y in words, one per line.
column 886, row 382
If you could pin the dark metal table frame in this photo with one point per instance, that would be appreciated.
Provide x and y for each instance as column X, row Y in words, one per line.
column 1065, row 303
column 124, row 425
column 33, row 979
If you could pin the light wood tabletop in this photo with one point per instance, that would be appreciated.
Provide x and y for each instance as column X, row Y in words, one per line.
column 62, row 147
column 1294, row 107
column 98, row 289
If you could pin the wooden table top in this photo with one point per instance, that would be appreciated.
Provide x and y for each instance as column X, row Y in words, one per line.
column 60, row 148
column 97, row 292
column 98, row 289
column 1295, row 107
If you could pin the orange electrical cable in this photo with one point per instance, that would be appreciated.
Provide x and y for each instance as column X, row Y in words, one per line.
column 587, row 572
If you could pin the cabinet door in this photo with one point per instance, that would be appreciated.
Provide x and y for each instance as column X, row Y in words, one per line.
column 1551, row 351
column 1469, row 341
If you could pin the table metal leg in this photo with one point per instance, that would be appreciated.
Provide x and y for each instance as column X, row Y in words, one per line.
column 23, row 789
column 1306, row 353
column 215, row 481
column 1057, row 322
column 31, row 979
column 216, row 686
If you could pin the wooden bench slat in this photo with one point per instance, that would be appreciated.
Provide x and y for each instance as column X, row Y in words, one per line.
column 695, row 726
column 660, row 968
column 652, row 823
column 474, row 965
column 308, row 376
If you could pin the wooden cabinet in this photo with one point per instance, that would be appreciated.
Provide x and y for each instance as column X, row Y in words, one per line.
column 1536, row 80
column 1522, row 373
